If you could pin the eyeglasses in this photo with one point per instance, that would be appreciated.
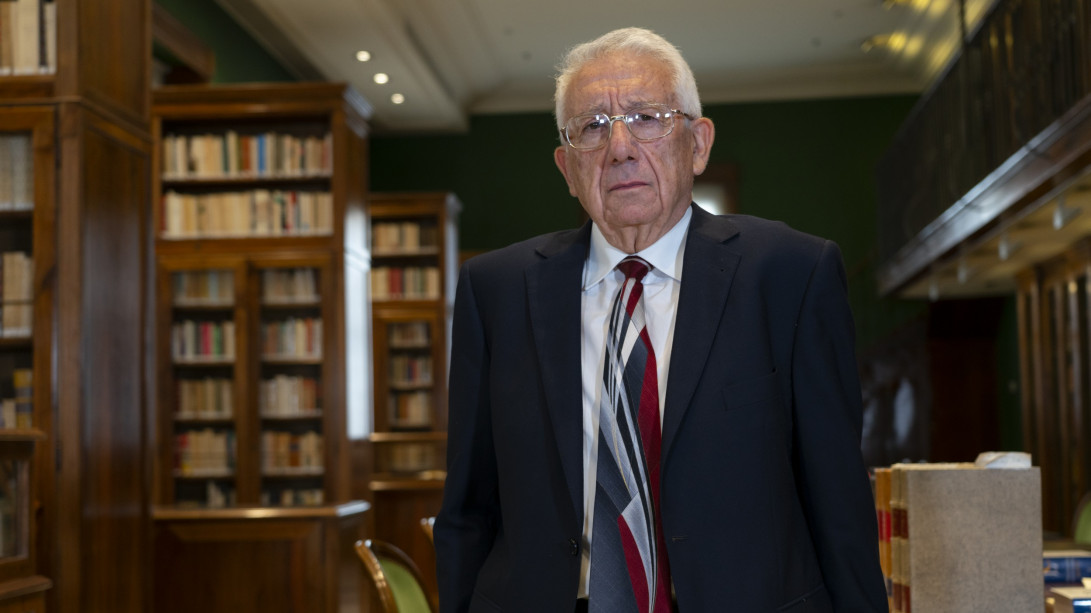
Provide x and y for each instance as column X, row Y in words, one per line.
column 591, row 131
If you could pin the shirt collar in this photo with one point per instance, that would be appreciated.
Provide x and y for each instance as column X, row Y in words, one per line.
column 664, row 255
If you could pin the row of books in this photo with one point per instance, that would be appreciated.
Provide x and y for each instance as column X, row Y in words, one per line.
column 410, row 334
column 16, row 277
column 283, row 451
column 940, row 522
column 207, row 398
column 292, row 338
column 204, row 287
column 403, row 236
column 289, row 285
column 16, row 169
column 28, row 37
column 292, row 497
column 287, row 396
column 410, row 370
column 405, row 283
column 411, row 410
column 16, row 294
column 18, row 411
column 212, row 495
column 412, row 457
column 246, row 214
column 204, row 452
column 229, row 155
column 203, row 341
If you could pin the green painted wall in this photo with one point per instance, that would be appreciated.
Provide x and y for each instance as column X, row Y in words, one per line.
column 239, row 58
column 808, row 163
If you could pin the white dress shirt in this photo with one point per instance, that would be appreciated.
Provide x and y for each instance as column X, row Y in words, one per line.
column 601, row 281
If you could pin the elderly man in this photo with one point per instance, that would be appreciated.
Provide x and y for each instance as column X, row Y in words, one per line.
column 660, row 410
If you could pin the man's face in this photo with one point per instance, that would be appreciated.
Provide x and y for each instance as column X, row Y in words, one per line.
column 631, row 183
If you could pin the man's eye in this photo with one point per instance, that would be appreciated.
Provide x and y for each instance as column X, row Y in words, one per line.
column 594, row 125
column 648, row 117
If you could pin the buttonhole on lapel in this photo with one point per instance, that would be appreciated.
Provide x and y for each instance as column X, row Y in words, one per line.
column 678, row 539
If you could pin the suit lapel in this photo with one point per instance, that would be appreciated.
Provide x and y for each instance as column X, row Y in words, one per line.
column 554, row 299
column 708, row 270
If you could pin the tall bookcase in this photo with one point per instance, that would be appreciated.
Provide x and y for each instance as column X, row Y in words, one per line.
column 414, row 254
column 261, row 293
column 75, row 179
column 27, row 158
column 262, row 344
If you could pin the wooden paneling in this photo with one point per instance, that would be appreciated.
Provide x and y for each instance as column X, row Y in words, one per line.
column 101, row 477
column 111, row 65
column 1001, row 129
column 228, row 562
column 397, row 520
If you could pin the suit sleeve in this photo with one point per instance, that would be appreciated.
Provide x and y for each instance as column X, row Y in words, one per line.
column 469, row 517
column 827, row 409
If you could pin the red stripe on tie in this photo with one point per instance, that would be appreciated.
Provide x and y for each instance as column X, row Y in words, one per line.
column 634, row 563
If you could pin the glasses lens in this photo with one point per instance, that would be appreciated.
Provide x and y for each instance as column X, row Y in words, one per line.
column 650, row 122
column 587, row 131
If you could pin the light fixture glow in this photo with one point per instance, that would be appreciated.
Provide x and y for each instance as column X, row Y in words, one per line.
column 1062, row 214
column 381, row 78
column 397, row 98
column 362, row 56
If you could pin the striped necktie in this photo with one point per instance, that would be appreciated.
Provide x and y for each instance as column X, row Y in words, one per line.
column 629, row 570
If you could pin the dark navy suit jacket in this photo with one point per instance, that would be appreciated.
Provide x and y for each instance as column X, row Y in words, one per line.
column 765, row 500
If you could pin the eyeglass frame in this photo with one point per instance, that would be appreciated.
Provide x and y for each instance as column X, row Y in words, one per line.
column 623, row 118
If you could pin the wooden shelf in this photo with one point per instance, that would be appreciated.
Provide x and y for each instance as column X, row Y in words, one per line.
column 409, row 437
column 250, row 180
column 405, row 253
column 22, row 434
column 393, row 482
column 299, row 417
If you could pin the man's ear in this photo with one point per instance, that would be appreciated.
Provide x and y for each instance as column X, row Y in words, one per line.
column 703, row 135
column 560, row 158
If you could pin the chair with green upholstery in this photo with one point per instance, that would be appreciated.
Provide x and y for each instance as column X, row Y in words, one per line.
column 395, row 577
column 1081, row 523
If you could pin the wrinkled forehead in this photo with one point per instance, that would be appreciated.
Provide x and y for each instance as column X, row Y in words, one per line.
column 617, row 83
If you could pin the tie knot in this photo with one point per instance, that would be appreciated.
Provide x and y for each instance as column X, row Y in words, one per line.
column 634, row 268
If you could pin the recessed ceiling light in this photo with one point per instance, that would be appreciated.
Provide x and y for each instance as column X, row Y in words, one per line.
column 363, row 56
column 381, row 77
column 397, row 98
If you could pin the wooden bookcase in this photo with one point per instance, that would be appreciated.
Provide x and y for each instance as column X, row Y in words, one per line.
column 261, row 341
column 73, row 481
column 260, row 293
column 414, row 259
column 27, row 158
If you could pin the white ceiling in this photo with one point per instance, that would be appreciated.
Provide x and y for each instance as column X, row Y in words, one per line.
column 453, row 58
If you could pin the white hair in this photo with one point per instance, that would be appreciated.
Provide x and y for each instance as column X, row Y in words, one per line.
column 637, row 41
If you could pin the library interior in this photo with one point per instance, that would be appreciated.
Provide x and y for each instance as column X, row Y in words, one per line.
column 231, row 233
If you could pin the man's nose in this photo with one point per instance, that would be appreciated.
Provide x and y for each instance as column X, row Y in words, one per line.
column 621, row 143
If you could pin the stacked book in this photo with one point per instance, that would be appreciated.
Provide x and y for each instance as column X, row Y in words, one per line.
column 234, row 155
column 208, row 398
column 204, row 288
column 411, row 410
column 17, row 283
column 252, row 213
column 962, row 537
column 405, row 283
column 16, row 169
column 404, row 236
column 288, row 452
column 28, row 37
column 203, row 341
column 288, row 396
column 292, row 338
column 207, row 452
column 18, row 412
column 297, row 285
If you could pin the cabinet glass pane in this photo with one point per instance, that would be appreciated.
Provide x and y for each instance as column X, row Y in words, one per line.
column 410, row 375
column 290, row 390
column 13, row 503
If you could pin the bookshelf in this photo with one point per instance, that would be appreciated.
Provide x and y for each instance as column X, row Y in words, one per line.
column 260, row 293
column 80, row 92
column 26, row 209
column 414, row 254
